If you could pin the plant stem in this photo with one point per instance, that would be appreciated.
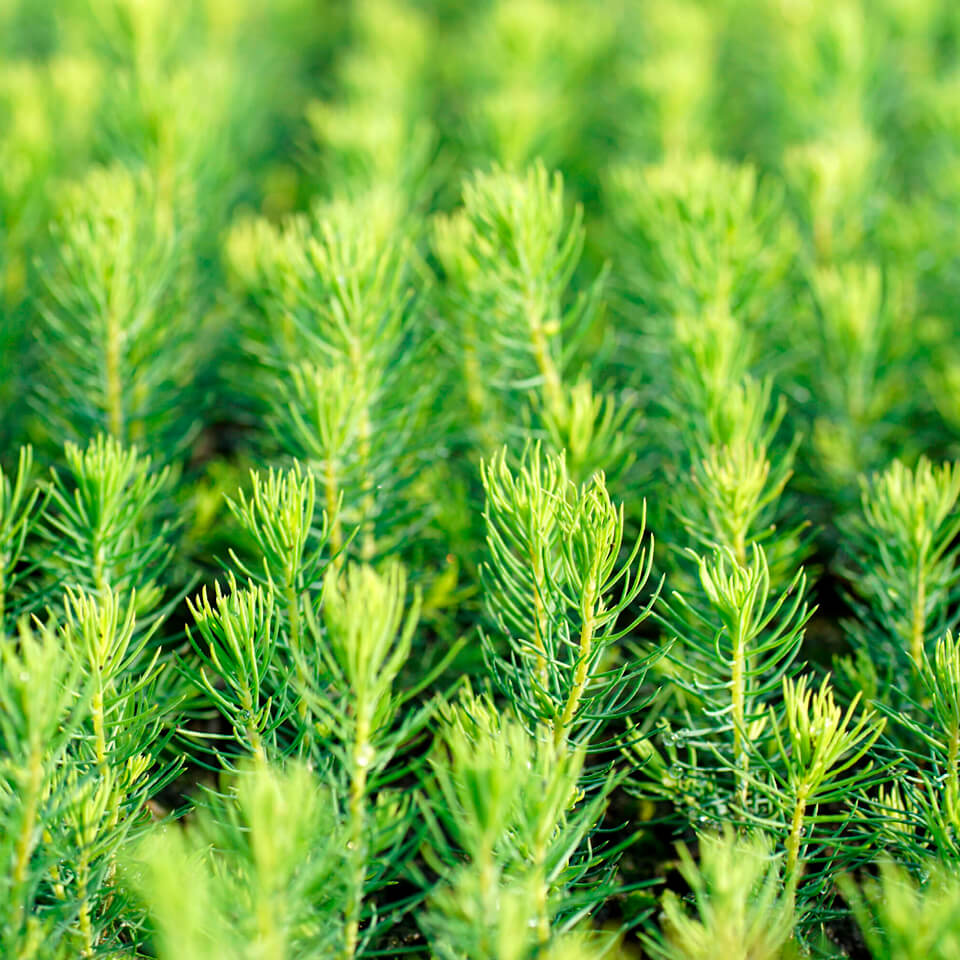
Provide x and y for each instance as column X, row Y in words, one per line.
column 953, row 762
column 58, row 887
column 489, row 893
column 332, row 496
column 476, row 394
column 367, row 541
column 99, row 733
column 114, row 388
column 796, row 833
column 99, row 562
column 580, row 673
column 293, row 616
column 31, row 801
column 357, row 829
column 740, row 546
column 364, row 445
column 552, row 385
column 251, row 731
column 3, row 588
column 83, row 918
column 293, row 613
column 536, row 562
column 269, row 938
column 738, row 697
column 541, row 892
column 919, row 619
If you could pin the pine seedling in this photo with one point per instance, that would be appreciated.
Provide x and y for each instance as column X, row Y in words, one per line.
column 319, row 415
column 235, row 643
column 902, row 918
column 707, row 240
column 561, row 596
column 938, row 717
column 835, row 159
column 481, row 918
column 341, row 350
column 924, row 738
column 118, row 326
column 735, row 639
column 331, row 698
column 46, row 107
column 257, row 873
column 510, row 256
column 820, row 769
column 118, row 764
column 361, row 722
column 42, row 705
column 460, row 926
column 508, row 816
column 18, row 515
column 901, row 561
column 84, row 730
column 856, row 368
column 707, row 259
column 100, row 635
column 103, row 524
column 729, row 483
column 739, row 907
column 595, row 431
column 202, row 152
column 353, row 724
column 281, row 516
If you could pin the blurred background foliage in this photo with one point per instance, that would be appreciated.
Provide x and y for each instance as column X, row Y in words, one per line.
column 818, row 140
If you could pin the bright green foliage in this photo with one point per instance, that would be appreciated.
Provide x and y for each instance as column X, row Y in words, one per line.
column 235, row 640
column 351, row 355
column 367, row 643
column 377, row 129
column 510, row 254
column 532, row 70
column 84, row 735
column 257, row 874
column 17, row 517
column 728, row 496
column 119, row 764
column 45, row 119
column 40, row 714
column 857, row 364
column 516, row 254
column 902, row 919
column 119, row 323
column 280, row 515
column 734, row 643
column 922, row 816
column 560, row 594
column 739, row 906
column 819, row 753
column 670, row 83
column 903, row 568
column 510, row 801
column 338, row 337
column 331, row 698
column 103, row 521
column 710, row 245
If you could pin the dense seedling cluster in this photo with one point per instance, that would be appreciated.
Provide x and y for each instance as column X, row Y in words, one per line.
column 477, row 480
